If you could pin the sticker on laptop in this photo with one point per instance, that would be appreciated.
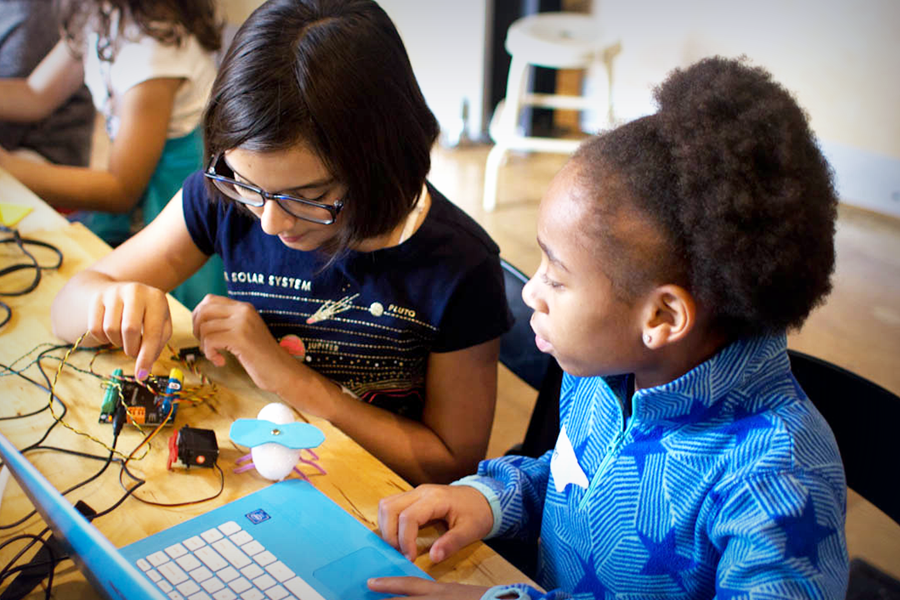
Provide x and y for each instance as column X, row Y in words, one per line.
column 258, row 516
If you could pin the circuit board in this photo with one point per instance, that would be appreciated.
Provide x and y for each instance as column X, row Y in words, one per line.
column 145, row 404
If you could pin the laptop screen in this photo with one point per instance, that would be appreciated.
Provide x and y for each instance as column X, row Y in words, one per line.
column 102, row 564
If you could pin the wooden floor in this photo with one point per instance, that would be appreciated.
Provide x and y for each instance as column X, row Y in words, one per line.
column 858, row 328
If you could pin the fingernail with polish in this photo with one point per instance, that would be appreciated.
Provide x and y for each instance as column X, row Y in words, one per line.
column 141, row 375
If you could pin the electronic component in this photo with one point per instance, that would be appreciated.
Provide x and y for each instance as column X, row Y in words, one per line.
column 190, row 354
column 144, row 403
column 193, row 447
column 112, row 394
column 173, row 386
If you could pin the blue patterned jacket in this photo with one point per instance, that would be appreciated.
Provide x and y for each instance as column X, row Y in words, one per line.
column 724, row 483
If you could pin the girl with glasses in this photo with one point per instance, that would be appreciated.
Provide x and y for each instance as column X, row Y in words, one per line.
column 356, row 291
column 149, row 66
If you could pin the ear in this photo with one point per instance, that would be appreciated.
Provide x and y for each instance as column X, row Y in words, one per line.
column 670, row 315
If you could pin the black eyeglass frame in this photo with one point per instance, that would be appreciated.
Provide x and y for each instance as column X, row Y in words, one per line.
column 280, row 199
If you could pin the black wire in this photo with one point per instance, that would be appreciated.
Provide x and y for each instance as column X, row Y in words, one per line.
column 9, row 570
column 47, row 388
column 119, row 502
column 21, row 374
column 21, row 242
column 65, row 409
column 35, row 539
column 125, row 470
column 74, row 453
column 106, row 464
column 37, row 444
column 32, row 381
column 34, row 536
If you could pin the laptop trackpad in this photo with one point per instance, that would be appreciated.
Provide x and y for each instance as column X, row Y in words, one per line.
column 346, row 577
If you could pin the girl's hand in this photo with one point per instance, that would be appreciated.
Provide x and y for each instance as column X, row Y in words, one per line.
column 415, row 587
column 224, row 324
column 464, row 509
column 134, row 317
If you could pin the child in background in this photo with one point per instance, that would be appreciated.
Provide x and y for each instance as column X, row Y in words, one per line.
column 337, row 251
column 677, row 251
column 149, row 66
column 63, row 137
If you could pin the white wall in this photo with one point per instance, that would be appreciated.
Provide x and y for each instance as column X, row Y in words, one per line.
column 840, row 59
column 446, row 43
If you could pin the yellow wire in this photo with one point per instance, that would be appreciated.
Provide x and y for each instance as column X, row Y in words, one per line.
column 188, row 394
column 59, row 419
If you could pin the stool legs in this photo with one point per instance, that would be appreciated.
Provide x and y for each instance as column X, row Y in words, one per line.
column 507, row 123
column 504, row 127
column 492, row 175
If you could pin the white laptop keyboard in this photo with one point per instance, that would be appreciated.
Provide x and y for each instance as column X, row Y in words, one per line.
column 224, row 563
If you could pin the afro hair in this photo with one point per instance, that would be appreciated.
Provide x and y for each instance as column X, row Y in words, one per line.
column 730, row 172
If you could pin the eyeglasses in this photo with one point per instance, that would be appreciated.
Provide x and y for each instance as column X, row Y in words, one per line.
column 309, row 210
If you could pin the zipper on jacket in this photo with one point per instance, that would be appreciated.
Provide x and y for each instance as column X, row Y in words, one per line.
column 612, row 452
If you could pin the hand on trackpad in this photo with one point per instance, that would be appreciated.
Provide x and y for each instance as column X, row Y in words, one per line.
column 346, row 577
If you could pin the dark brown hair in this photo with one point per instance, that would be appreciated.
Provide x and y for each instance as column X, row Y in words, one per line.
column 333, row 75
column 168, row 21
column 730, row 174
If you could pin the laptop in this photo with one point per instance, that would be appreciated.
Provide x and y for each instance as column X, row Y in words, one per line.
column 287, row 540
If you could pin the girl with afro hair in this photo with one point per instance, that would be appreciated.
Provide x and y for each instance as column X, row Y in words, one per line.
column 678, row 250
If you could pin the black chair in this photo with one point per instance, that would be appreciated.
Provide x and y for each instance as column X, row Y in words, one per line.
column 519, row 354
column 863, row 417
column 541, row 371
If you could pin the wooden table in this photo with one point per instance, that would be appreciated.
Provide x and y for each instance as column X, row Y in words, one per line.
column 355, row 479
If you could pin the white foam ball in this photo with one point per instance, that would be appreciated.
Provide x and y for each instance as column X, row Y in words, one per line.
column 277, row 412
column 274, row 461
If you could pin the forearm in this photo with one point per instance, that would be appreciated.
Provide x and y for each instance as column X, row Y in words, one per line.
column 408, row 447
column 73, row 187
column 517, row 488
column 19, row 102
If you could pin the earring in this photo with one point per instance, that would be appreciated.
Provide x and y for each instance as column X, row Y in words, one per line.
column 648, row 338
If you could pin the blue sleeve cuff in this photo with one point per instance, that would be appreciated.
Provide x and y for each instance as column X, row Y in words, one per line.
column 520, row 591
column 480, row 484
column 506, row 591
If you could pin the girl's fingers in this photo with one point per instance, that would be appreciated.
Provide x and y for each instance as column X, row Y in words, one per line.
column 389, row 510
column 423, row 588
column 112, row 321
column 408, row 524
column 405, row 586
column 455, row 539
column 132, row 327
column 211, row 343
column 211, row 308
column 157, row 329
column 224, row 324
column 430, row 505
column 96, row 317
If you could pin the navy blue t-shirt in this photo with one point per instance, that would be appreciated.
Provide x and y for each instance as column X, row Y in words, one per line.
column 375, row 316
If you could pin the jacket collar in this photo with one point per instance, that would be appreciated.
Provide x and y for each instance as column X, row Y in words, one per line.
column 697, row 395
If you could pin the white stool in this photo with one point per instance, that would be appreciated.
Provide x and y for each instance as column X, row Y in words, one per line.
column 555, row 40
